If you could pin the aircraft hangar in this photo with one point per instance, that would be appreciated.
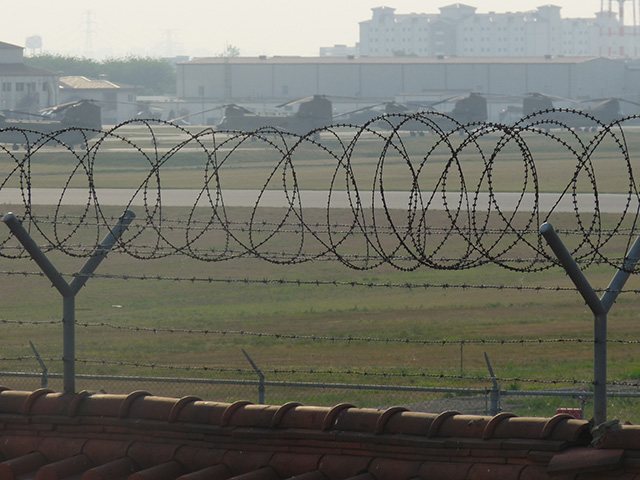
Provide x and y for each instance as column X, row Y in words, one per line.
column 264, row 82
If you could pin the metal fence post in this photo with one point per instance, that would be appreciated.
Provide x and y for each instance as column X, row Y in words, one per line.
column 261, row 386
column 599, row 306
column 68, row 291
column 494, row 395
column 45, row 378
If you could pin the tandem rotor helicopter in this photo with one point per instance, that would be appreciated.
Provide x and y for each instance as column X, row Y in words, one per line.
column 538, row 106
column 76, row 121
column 313, row 112
column 468, row 108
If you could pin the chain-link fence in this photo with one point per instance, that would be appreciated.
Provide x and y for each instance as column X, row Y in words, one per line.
column 623, row 404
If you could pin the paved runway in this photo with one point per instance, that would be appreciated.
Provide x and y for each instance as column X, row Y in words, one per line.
column 506, row 201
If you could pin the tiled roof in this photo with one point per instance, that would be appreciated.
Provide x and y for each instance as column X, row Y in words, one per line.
column 80, row 82
column 47, row 435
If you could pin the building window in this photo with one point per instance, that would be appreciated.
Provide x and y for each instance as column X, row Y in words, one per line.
column 19, row 87
column 45, row 85
column 6, row 86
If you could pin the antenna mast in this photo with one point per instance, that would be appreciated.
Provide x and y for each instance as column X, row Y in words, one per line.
column 88, row 33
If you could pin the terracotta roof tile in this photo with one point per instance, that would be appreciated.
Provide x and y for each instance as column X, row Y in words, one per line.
column 22, row 465
column 120, row 468
column 492, row 472
column 343, row 466
column 462, row 426
column 389, row 468
column 12, row 447
column 140, row 436
column 66, row 468
column 444, row 470
column 586, row 460
column 251, row 416
column 199, row 457
column 12, row 401
column 200, row 412
column 304, row 417
column 164, row 471
column 290, row 464
column 105, row 451
column 264, row 473
column 409, row 423
column 621, row 437
column 535, row 472
column 216, row 472
column 316, row 475
column 98, row 405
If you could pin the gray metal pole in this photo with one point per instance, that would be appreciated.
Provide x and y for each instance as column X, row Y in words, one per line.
column 621, row 275
column 599, row 325
column 261, row 387
column 494, row 409
column 101, row 252
column 45, row 380
column 599, row 307
column 68, row 291
column 38, row 256
column 69, row 344
column 572, row 269
column 599, row 368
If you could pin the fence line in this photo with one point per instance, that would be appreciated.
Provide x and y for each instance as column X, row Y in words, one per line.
column 417, row 398
column 482, row 228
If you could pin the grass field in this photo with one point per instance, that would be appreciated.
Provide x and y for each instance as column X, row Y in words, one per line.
column 279, row 316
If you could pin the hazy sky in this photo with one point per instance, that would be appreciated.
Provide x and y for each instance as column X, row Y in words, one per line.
column 204, row 27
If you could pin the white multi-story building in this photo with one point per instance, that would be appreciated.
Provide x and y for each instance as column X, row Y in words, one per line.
column 459, row 31
column 22, row 87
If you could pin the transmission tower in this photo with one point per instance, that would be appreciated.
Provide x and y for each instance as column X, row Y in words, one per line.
column 88, row 33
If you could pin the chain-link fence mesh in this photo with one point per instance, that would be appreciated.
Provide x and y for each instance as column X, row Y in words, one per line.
column 623, row 403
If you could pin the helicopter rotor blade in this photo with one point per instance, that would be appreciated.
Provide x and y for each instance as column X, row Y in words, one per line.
column 198, row 113
column 363, row 109
column 24, row 113
column 293, row 102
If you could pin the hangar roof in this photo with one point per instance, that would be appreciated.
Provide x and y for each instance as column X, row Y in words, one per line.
column 278, row 60
column 20, row 69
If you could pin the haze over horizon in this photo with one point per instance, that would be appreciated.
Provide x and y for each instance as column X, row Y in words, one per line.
column 203, row 28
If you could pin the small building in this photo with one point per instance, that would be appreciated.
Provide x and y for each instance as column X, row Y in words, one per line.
column 24, row 88
column 118, row 102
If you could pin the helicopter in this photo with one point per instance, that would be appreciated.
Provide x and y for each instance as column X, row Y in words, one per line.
column 77, row 121
column 468, row 108
column 539, row 106
column 313, row 112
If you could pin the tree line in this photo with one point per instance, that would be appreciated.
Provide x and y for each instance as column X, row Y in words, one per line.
column 150, row 76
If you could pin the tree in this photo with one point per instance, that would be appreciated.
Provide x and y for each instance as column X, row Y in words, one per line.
column 230, row 51
column 151, row 76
